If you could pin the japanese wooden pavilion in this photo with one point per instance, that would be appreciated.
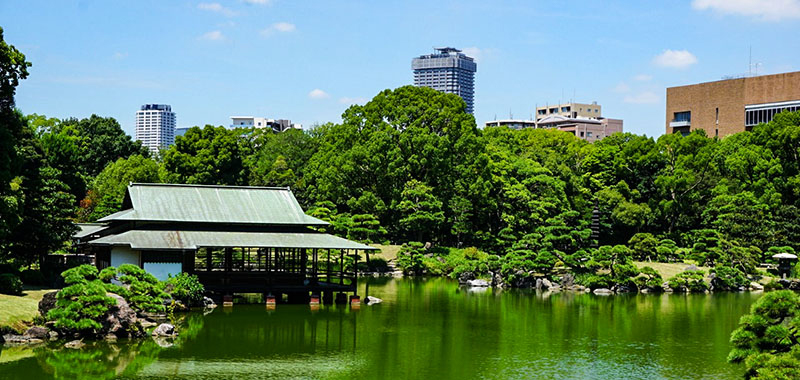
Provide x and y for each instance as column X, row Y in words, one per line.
column 236, row 239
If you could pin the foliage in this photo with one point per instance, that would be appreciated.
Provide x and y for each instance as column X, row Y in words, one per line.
column 108, row 188
column 410, row 258
column 690, row 280
column 82, row 303
column 208, row 156
column 649, row 279
column 141, row 289
column 186, row 288
column 727, row 278
column 767, row 339
column 10, row 284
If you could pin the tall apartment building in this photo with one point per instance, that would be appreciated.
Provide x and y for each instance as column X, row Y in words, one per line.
column 155, row 126
column 571, row 109
column 277, row 125
column 729, row 106
column 447, row 70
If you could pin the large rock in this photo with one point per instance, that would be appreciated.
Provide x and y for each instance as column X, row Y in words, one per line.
column 546, row 283
column 372, row 300
column 464, row 277
column 756, row 286
column 164, row 329
column 75, row 344
column 208, row 303
column 567, row 280
column 121, row 319
column 603, row 292
column 497, row 281
column 478, row 283
column 538, row 283
column 47, row 303
column 691, row 267
column 38, row 332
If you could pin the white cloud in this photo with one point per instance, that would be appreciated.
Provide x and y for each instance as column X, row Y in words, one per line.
column 278, row 27
column 318, row 94
column 676, row 59
column 643, row 78
column 216, row 7
column 646, row 97
column 762, row 10
column 621, row 88
column 473, row 52
column 356, row 100
column 214, row 35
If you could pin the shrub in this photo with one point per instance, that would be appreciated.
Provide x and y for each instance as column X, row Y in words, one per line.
column 648, row 278
column 409, row 259
column 690, row 280
column 186, row 288
column 727, row 278
column 142, row 290
column 82, row 303
column 32, row 277
column 10, row 284
column 773, row 285
column 595, row 281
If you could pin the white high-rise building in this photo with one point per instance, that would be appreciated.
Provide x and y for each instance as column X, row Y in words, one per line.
column 155, row 126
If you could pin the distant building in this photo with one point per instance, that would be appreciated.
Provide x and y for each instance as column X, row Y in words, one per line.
column 181, row 131
column 447, row 70
column 155, row 126
column 277, row 125
column 513, row 124
column 729, row 106
column 589, row 129
column 573, row 110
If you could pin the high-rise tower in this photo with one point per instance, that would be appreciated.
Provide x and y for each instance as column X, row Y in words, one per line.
column 447, row 70
column 155, row 126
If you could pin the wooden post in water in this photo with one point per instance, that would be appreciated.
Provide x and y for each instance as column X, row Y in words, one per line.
column 227, row 300
column 269, row 299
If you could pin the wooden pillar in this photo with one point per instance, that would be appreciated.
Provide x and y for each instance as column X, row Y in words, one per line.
column 228, row 259
column 341, row 266
column 303, row 262
column 209, row 261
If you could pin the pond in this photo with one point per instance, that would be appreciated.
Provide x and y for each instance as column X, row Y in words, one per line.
column 425, row 329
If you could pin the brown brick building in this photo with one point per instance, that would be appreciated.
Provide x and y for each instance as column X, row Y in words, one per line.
column 726, row 107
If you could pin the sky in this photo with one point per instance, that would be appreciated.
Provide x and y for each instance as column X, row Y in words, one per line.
column 309, row 60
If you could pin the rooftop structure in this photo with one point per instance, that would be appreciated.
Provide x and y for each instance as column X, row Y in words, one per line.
column 234, row 238
column 589, row 129
column 729, row 106
column 512, row 123
column 571, row 109
column 447, row 70
column 277, row 125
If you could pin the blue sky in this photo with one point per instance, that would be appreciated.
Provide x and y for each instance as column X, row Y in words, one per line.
column 308, row 60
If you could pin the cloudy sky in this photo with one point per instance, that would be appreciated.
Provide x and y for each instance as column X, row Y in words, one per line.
column 309, row 60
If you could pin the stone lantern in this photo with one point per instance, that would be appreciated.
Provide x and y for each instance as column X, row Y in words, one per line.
column 785, row 261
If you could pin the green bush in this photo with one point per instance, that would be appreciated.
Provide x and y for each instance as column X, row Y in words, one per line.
column 32, row 277
column 727, row 278
column 82, row 303
column 186, row 288
column 648, row 278
column 773, row 285
column 410, row 258
column 142, row 290
column 690, row 280
column 595, row 281
column 10, row 284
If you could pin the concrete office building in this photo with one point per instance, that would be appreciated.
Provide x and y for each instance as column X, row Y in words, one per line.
column 447, row 70
column 729, row 106
column 155, row 126
column 589, row 129
column 571, row 109
column 512, row 123
column 277, row 125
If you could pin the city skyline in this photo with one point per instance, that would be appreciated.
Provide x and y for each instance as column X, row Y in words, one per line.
column 215, row 59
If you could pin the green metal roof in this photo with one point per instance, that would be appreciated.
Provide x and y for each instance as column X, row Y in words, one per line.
column 87, row 229
column 212, row 204
column 170, row 239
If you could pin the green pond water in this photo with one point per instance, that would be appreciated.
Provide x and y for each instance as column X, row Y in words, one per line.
column 424, row 329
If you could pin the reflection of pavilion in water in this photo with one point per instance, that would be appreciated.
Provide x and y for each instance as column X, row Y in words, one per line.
column 277, row 338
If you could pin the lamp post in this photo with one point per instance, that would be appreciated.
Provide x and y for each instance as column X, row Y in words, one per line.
column 785, row 261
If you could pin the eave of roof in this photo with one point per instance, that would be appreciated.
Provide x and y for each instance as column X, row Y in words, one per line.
column 190, row 240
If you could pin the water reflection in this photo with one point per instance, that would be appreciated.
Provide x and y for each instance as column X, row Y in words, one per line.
column 426, row 328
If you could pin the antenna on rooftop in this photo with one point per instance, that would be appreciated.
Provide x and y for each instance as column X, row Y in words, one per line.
column 751, row 65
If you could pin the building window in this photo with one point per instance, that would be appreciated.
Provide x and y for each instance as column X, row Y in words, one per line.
column 682, row 116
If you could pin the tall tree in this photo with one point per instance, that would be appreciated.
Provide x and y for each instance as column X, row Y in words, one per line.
column 208, row 156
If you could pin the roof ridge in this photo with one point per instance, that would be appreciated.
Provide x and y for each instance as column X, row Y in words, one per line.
column 209, row 186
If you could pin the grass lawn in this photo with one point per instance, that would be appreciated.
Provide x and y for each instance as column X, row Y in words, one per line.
column 387, row 252
column 16, row 309
column 667, row 270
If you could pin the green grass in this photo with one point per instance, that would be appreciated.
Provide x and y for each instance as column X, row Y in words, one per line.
column 387, row 252
column 14, row 310
column 667, row 270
